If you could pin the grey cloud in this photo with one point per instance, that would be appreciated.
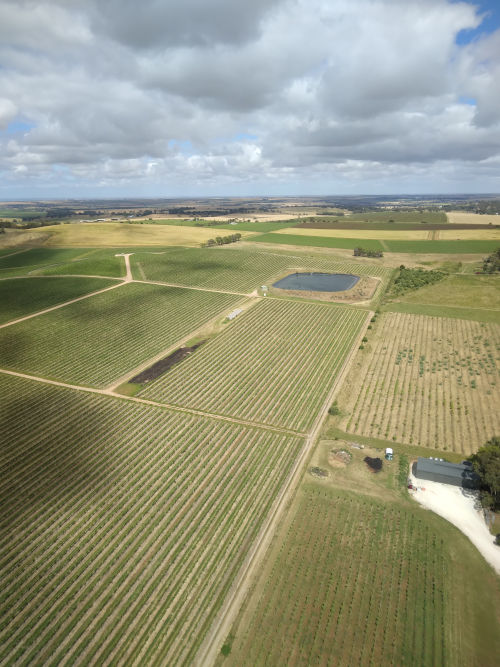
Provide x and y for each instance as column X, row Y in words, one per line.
column 168, row 23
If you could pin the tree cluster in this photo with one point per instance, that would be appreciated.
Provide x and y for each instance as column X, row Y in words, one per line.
column 491, row 264
column 365, row 252
column 486, row 463
column 411, row 279
column 222, row 240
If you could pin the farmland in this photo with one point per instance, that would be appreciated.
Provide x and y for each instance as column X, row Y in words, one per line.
column 123, row 525
column 257, row 370
column 34, row 257
column 119, row 234
column 400, row 234
column 139, row 516
column 98, row 339
column 238, row 269
column 389, row 245
column 463, row 217
column 428, row 381
column 472, row 297
column 366, row 579
column 29, row 295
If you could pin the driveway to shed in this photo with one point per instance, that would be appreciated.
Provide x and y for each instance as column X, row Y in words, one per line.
column 458, row 506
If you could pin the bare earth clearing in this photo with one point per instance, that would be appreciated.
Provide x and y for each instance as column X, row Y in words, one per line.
column 459, row 507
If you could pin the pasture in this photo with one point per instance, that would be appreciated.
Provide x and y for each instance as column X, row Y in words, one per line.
column 465, row 218
column 238, row 269
column 428, row 381
column 123, row 525
column 468, row 234
column 96, row 340
column 469, row 293
column 275, row 364
column 22, row 296
column 118, row 234
column 362, row 234
column 366, row 579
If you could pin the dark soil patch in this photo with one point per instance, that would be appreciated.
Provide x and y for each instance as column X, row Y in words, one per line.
column 319, row 472
column 160, row 367
column 375, row 465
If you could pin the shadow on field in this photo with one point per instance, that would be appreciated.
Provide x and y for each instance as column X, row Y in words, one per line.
column 13, row 345
column 49, row 455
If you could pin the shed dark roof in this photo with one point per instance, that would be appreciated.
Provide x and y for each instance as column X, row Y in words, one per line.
column 457, row 471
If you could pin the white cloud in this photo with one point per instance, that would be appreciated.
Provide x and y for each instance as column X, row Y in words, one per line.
column 338, row 93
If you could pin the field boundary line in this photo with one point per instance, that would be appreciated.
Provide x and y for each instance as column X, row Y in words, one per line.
column 165, row 406
column 211, row 415
column 436, row 305
column 62, row 305
column 61, row 275
column 209, row 650
column 110, row 389
column 200, row 289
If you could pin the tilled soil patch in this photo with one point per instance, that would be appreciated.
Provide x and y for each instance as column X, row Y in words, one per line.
column 160, row 367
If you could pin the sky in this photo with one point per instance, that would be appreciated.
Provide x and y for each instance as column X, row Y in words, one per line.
column 164, row 98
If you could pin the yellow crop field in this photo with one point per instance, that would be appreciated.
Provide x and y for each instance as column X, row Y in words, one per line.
column 427, row 381
column 410, row 235
column 469, row 234
column 464, row 218
column 123, row 234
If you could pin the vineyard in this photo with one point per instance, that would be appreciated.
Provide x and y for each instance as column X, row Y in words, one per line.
column 61, row 261
column 96, row 340
column 236, row 269
column 354, row 581
column 275, row 364
column 123, row 525
column 427, row 381
column 22, row 296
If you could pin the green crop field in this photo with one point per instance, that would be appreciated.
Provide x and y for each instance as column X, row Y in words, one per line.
column 93, row 263
column 357, row 581
column 274, row 364
column 237, row 269
column 444, row 247
column 261, row 227
column 123, row 525
column 428, row 381
column 39, row 257
column 100, row 338
column 423, row 247
column 22, row 296
column 318, row 241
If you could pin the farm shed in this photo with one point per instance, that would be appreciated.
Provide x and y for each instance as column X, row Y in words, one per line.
column 436, row 470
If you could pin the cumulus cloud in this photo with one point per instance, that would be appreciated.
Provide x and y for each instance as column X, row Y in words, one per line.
column 309, row 95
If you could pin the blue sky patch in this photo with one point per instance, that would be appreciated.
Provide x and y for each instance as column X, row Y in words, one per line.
column 490, row 11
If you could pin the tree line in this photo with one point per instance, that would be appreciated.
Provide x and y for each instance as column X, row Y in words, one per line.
column 222, row 240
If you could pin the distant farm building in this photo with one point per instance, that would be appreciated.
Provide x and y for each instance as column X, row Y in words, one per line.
column 437, row 470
